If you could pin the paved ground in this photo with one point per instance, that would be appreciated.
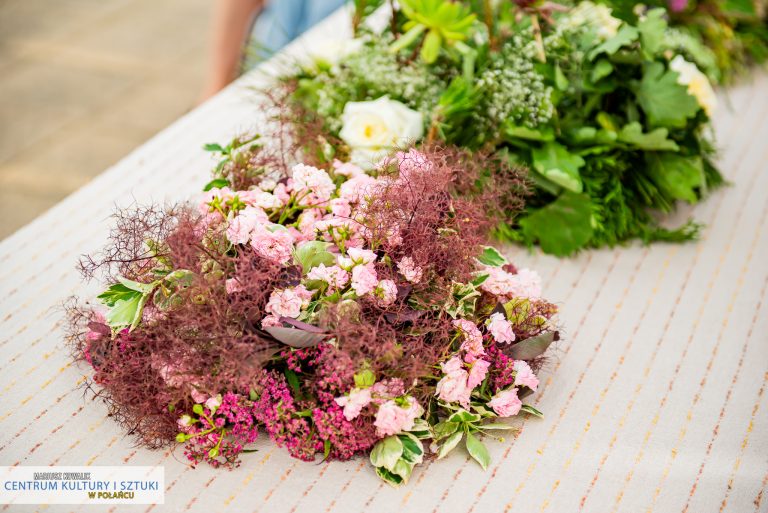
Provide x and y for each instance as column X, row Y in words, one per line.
column 82, row 83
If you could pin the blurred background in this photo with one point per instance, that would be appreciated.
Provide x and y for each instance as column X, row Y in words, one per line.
column 84, row 82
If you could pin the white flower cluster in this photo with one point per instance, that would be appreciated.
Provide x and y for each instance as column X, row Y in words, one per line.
column 512, row 90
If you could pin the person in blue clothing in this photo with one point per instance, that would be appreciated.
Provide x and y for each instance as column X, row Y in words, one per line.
column 262, row 27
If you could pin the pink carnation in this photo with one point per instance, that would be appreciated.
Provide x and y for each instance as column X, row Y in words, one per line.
column 409, row 270
column 412, row 162
column 334, row 276
column 527, row 284
column 357, row 188
column 259, row 198
column 347, row 169
column 232, row 285
column 385, row 292
column 506, row 403
column 354, row 403
column 452, row 388
column 524, row 376
column 313, row 184
column 243, row 224
column 340, row 207
column 501, row 328
column 392, row 418
column 473, row 339
column 276, row 245
column 364, row 279
column 477, row 373
column 288, row 302
column 524, row 284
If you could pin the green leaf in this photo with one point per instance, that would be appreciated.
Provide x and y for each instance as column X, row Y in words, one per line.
column 653, row 140
column 557, row 164
column 326, row 449
column 463, row 416
column 625, row 36
column 364, row 378
column 431, row 46
column 602, row 69
column 479, row 280
column 743, row 8
column 478, row 450
column 652, row 30
column 562, row 227
column 497, row 426
column 413, row 451
column 313, row 253
column 560, row 81
column 216, row 183
column 444, row 429
column 530, row 348
column 387, row 452
column 116, row 292
column 450, row 443
column 293, row 381
column 389, row 477
column 678, row 176
column 213, row 147
column 523, row 132
column 144, row 288
column 532, row 411
column 125, row 312
column 491, row 256
column 666, row 102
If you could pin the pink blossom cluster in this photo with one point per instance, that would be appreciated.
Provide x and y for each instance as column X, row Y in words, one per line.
column 220, row 432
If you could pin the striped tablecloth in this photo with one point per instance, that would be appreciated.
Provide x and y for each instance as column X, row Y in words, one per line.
column 655, row 400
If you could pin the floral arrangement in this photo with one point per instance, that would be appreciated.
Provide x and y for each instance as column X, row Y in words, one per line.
column 610, row 115
column 340, row 312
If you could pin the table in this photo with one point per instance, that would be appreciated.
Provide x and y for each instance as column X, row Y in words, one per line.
column 654, row 401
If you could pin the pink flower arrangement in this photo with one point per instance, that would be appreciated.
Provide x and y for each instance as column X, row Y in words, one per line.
column 327, row 309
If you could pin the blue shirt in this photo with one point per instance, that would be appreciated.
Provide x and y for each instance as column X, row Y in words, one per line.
column 282, row 21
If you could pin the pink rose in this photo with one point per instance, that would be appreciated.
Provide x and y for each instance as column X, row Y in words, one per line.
column 354, row 403
column 501, row 328
column 506, row 403
column 524, row 376
column 364, row 279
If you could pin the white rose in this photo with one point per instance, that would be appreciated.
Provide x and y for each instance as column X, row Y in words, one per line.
column 374, row 128
column 595, row 16
column 697, row 83
column 330, row 52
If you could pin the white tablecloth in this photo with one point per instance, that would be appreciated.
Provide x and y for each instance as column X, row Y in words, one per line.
column 655, row 400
